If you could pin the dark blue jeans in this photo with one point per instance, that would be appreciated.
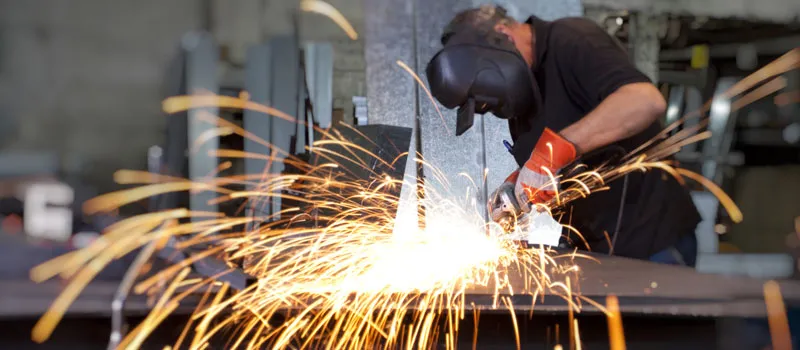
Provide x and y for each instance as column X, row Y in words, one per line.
column 684, row 252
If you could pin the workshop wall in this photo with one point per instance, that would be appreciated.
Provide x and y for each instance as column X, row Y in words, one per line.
column 238, row 24
column 769, row 202
column 84, row 77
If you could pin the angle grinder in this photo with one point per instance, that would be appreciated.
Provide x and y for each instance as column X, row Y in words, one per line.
column 525, row 228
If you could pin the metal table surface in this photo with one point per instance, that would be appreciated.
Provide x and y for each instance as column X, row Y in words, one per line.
column 642, row 288
column 649, row 288
column 20, row 298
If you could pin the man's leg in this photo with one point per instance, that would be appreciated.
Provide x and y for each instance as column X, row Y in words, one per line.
column 684, row 252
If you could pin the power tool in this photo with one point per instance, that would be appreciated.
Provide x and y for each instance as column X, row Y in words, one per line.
column 504, row 208
column 533, row 228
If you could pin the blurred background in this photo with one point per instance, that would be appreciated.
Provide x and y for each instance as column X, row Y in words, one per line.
column 82, row 81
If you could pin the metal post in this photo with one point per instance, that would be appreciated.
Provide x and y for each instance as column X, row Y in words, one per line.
column 201, row 78
column 675, row 104
column 121, row 295
column 284, row 78
column 155, row 155
column 257, row 84
column 721, row 123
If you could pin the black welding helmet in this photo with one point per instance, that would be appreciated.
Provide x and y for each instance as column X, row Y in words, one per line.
column 479, row 70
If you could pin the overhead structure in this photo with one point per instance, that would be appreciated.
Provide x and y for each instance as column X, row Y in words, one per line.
column 768, row 10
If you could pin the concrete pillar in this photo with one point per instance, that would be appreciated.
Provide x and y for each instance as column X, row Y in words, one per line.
column 391, row 92
column 645, row 43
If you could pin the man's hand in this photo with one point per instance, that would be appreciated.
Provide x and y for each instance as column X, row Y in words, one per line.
column 537, row 180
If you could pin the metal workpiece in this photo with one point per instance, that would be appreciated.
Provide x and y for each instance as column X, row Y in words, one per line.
column 201, row 77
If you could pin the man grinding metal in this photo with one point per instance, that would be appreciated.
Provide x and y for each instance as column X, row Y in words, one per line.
column 569, row 86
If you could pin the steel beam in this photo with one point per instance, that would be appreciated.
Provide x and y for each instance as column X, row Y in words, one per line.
column 722, row 120
column 284, row 78
column 258, row 85
column 201, row 78
column 785, row 11
column 769, row 47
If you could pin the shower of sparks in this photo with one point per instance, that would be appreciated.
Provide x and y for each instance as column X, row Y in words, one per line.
column 327, row 268
column 330, row 267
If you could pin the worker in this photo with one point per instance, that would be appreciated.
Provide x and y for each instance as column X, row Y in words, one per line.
column 568, row 87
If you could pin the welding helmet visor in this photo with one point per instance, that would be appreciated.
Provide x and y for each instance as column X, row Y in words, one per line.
column 480, row 70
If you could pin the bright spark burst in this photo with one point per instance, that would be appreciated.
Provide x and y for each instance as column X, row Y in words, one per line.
column 333, row 263
column 330, row 269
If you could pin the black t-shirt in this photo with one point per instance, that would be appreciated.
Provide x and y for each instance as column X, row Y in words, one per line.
column 577, row 66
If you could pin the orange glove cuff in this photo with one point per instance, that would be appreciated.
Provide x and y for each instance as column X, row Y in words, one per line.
column 513, row 177
column 552, row 151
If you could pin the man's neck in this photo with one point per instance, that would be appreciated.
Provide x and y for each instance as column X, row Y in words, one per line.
column 532, row 53
column 525, row 35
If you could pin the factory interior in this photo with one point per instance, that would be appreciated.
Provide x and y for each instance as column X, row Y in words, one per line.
column 185, row 174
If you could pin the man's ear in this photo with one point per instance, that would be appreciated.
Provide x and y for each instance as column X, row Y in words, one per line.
column 504, row 29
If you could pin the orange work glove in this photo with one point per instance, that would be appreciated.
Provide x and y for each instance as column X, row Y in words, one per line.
column 537, row 181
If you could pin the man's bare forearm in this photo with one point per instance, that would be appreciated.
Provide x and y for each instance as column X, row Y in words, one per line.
column 626, row 112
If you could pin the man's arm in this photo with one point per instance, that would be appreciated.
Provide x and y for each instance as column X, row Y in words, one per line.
column 598, row 72
column 623, row 114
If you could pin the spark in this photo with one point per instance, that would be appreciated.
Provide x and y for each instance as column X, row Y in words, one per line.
column 331, row 12
column 616, row 335
column 331, row 266
column 347, row 280
column 776, row 315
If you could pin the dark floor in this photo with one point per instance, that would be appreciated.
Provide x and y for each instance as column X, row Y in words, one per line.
column 495, row 332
